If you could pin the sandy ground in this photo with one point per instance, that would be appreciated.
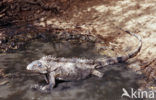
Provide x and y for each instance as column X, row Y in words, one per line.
column 104, row 16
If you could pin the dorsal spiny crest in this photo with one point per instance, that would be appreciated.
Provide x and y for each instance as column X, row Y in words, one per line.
column 48, row 58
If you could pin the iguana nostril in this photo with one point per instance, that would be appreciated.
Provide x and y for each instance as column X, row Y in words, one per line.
column 29, row 67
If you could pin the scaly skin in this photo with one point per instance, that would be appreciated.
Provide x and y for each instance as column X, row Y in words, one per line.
column 69, row 69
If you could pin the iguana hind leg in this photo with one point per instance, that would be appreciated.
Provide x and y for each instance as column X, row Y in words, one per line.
column 97, row 73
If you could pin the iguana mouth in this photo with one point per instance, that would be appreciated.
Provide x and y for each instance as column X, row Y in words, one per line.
column 34, row 72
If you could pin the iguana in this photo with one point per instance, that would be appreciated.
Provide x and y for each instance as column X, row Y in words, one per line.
column 69, row 69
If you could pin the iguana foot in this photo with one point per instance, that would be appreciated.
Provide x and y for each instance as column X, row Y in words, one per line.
column 97, row 73
column 43, row 89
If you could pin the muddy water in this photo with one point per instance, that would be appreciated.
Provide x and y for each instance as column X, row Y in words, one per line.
column 109, row 87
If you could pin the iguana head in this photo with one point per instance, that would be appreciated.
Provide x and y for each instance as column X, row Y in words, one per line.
column 37, row 66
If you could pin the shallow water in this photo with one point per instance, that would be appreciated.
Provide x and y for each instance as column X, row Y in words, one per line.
column 109, row 87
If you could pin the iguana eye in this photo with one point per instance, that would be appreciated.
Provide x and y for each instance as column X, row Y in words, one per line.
column 39, row 65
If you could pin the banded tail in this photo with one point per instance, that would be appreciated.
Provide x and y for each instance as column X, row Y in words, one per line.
column 123, row 58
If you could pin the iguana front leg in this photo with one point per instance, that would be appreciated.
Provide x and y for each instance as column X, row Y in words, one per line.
column 49, row 87
column 46, row 77
column 51, row 78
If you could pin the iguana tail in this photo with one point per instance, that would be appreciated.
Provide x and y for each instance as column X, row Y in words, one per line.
column 135, row 52
column 124, row 58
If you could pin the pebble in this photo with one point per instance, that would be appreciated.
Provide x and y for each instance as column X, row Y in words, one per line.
column 3, row 82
